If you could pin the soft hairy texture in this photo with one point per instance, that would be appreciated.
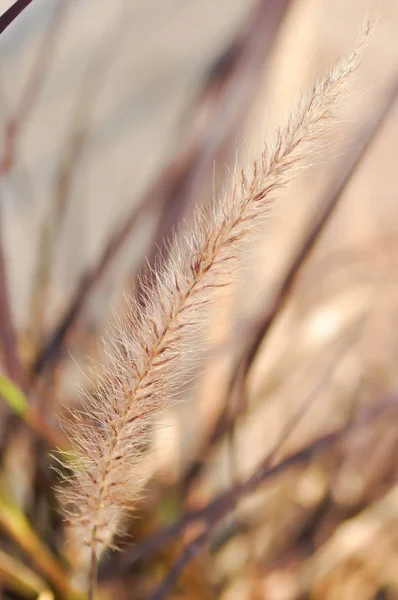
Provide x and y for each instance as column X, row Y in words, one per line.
column 149, row 357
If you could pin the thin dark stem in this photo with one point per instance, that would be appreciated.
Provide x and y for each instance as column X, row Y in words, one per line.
column 12, row 13
column 32, row 87
column 8, row 336
column 41, row 64
column 187, row 555
column 53, row 347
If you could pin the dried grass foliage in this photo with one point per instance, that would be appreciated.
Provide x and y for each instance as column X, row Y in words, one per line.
column 282, row 490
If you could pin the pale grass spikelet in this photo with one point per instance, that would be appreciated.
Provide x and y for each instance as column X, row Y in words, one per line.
column 148, row 361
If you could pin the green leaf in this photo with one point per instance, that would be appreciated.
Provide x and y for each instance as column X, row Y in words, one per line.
column 13, row 395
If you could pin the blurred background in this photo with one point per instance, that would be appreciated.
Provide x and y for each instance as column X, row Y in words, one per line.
column 118, row 119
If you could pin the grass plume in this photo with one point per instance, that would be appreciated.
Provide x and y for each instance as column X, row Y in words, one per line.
column 148, row 360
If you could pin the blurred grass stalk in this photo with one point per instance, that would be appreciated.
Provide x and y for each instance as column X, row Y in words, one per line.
column 17, row 526
column 20, row 579
column 36, row 420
